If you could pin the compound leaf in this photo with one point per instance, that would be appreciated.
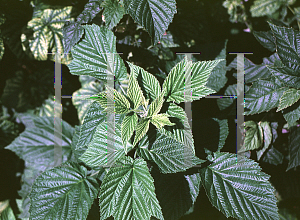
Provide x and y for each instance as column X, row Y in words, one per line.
column 128, row 126
column 239, row 189
column 141, row 129
column 127, row 192
column 288, row 98
column 64, row 192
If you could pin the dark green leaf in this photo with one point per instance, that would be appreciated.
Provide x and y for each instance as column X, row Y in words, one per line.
column 294, row 147
column 113, row 12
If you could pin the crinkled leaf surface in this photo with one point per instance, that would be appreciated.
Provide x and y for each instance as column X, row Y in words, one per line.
column 73, row 31
column 127, row 192
column 128, row 126
column 292, row 114
column 266, row 39
column 263, row 95
column 217, row 79
column 96, row 55
column 154, row 15
column 134, row 91
column 253, row 137
column 64, row 192
column 141, row 129
column 286, row 75
column 224, row 131
column 273, row 156
column 288, row 98
column 113, row 12
column 147, row 82
column 47, row 31
column 36, row 143
column 106, row 146
column 79, row 97
column 239, row 189
column 161, row 120
column 170, row 155
column 174, row 84
column 288, row 46
column 265, row 7
column 267, row 138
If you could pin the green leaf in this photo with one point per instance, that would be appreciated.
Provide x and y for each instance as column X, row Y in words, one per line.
column 174, row 84
column 170, row 155
column 253, row 137
column 265, row 7
column 104, row 149
column 95, row 55
column 113, row 12
column 266, row 39
column 288, row 46
column 217, row 79
column 79, row 97
column 155, row 16
column 36, row 144
column 60, row 193
column 120, row 103
column 273, row 156
column 239, row 189
column 267, row 138
column 263, row 96
column 94, row 116
column 292, row 114
column 7, row 213
column 141, row 129
column 161, row 120
column 128, row 126
column 134, row 91
column 294, row 148
column 73, row 31
column 156, row 105
column 148, row 83
column 224, row 131
column 47, row 108
column 176, row 192
column 181, row 131
column 47, row 31
column 127, row 192
column 286, row 75
column 288, row 98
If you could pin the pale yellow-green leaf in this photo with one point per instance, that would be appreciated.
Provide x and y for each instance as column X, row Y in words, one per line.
column 161, row 120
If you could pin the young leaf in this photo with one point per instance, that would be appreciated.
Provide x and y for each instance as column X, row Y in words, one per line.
column 267, row 138
column 288, row 44
column 141, row 129
column 148, row 83
column 181, row 131
column 154, row 15
column 156, row 105
column 120, row 103
column 239, row 189
column 128, row 126
column 47, row 26
column 127, row 192
column 104, row 149
column 96, row 55
column 170, row 155
column 174, row 84
column 263, row 95
column 253, row 138
column 113, row 12
column 73, row 31
column 134, row 91
column 63, row 192
column 286, row 75
column 288, row 98
column 161, row 120
column 294, row 148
